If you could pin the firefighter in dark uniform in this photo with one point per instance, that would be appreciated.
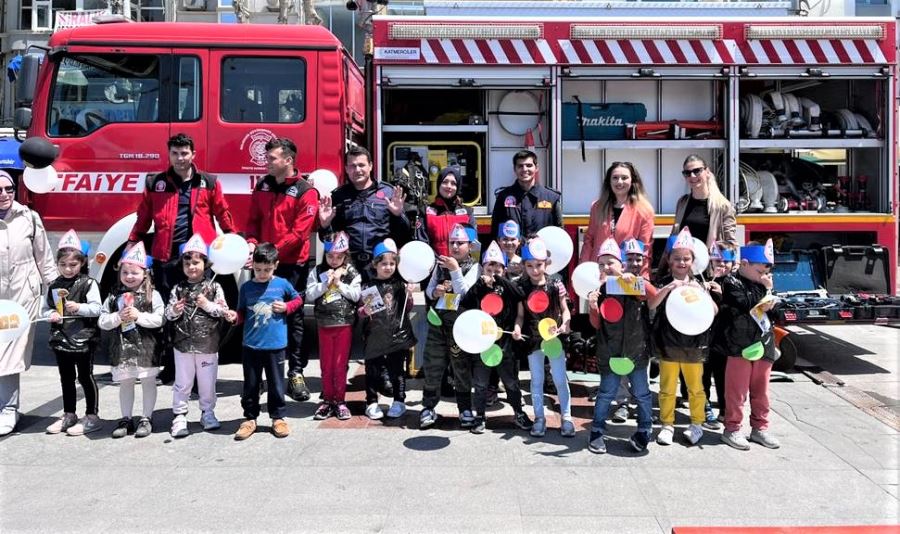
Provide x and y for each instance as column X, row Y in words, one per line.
column 532, row 205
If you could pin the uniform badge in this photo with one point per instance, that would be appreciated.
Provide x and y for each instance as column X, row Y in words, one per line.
column 462, row 211
column 160, row 186
column 544, row 204
column 510, row 202
column 379, row 194
column 264, row 186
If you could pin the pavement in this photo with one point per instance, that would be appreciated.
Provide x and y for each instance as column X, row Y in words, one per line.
column 838, row 464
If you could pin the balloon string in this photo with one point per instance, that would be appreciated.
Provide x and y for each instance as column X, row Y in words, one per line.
column 523, row 336
column 205, row 285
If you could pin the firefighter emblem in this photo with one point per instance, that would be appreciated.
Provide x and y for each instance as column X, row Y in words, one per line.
column 255, row 145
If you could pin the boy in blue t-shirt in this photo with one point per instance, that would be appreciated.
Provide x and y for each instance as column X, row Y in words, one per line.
column 263, row 305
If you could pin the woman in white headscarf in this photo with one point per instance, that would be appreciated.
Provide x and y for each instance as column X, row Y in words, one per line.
column 26, row 266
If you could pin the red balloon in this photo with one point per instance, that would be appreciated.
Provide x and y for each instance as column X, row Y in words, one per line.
column 538, row 301
column 492, row 304
column 611, row 310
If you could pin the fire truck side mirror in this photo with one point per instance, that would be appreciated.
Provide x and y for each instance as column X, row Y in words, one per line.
column 26, row 79
column 22, row 118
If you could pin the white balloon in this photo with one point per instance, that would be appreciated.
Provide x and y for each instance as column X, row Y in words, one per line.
column 416, row 261
column 586, row 278
column 14, row 320
column 228, row 253
column 701, row 256
column 475, row 331
column 324, row 181
column 690, row 310
column 559, row 243
column 40, row 180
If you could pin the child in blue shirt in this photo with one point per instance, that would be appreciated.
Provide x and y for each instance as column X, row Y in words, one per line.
column 263, row 306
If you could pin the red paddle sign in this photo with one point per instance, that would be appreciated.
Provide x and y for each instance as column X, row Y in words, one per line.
column 611, row 310
column 538, row 301
column 492, row 304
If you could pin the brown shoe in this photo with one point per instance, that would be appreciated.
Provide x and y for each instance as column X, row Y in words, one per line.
column 280, row 428
column 246, row 430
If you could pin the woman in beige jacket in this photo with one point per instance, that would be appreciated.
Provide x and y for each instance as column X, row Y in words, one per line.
column 26, row 265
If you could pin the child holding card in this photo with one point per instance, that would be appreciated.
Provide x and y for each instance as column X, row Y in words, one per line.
column 451, row 280
column 386, row 303
column 133, row 313
column 747, row 338
column 73, row 305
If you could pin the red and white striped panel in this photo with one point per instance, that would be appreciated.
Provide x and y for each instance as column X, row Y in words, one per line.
column 647, row 51
column 812, row 51
column 487, row 51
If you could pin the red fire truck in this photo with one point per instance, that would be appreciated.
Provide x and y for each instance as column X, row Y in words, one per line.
column 110, row 95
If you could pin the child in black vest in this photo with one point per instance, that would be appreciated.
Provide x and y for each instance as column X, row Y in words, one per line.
column 73, row 305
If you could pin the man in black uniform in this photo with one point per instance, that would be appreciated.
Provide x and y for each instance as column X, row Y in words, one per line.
column 527, row 202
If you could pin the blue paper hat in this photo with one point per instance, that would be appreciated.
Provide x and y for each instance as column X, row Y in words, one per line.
column 388, row 245
column 509, row 229
column 759, row 253
column 535, row 249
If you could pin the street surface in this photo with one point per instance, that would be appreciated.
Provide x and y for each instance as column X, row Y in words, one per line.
column 838, row 464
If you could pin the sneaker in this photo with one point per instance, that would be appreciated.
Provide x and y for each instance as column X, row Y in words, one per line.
column 396, row 410
column 478, row 426
column 693, row 434
column 64, row 423
column 144, row 428
column 592, row 394
column 523, row 422
column 764, row 438
column 124, row 427
column 596, row 443
column 179, row 427
column 665, row 436
column 466, row 419
column 387, row 388
column 280, row 428
column 736, row 440
column 711, row 422
column 427, row 418
column 373, row 411
column 491, row 397
column 639, row 441
column 247, row 428
column 88, row 424
column 324, row 411
column 567, row 429
column 621, row 414
column 539, row 428
column 343, row 413
column 297, row 388
column 209, row 421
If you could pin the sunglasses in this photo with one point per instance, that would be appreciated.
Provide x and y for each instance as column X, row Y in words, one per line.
column 9, row 190
column 694, row 172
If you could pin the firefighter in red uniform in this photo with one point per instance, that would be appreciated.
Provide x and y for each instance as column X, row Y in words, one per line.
column 283, row 211
column 179, row 203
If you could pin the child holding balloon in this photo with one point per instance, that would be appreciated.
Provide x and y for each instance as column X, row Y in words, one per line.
column 621, row 341
column 72, row 306
column 386, row 303
column 544, row 314
column 334, row 286
column 747, row 338
column 449, row 283
column 133, row 312
column 498, row 296
column 680, row 347
column 195, row 311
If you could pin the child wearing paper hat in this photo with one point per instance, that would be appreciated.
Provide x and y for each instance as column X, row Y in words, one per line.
column 72, row 305
column 136, row 311
column 387, row 329
column 509, row 239
column 490, row 286
column 544, row 297
column 334, row 286
column 748, row 340
column 621, row 323
column 195, row 311
column 448, row 285
column 679, row 353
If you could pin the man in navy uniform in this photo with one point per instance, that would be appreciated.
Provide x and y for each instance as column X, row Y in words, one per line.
column 532, row 205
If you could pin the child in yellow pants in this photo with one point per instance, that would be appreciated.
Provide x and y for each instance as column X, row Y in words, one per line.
column 679, row 353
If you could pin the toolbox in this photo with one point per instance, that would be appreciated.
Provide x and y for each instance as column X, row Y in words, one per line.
column 856, row 269
column 796, row 270
column 582, row 121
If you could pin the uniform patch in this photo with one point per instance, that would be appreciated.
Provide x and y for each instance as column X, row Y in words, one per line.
column 510, row 202
column 430, row 211
column 292, row 191
column 160, row 186
column 264, row 186
column 544, row 204
column 311, row 210
column 203, row 183
column 461, row 211
column 379, row 194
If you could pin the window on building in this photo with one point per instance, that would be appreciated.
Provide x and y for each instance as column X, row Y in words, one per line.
column 258, row 89
column 90, row 91
column 189, row 84
column 40, row 15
